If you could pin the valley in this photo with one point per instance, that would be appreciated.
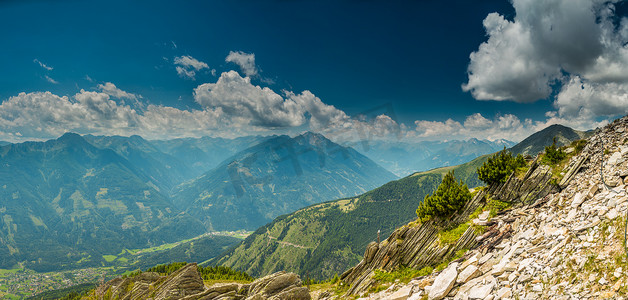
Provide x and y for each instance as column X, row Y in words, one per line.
column 313, row 150
column 320, row 241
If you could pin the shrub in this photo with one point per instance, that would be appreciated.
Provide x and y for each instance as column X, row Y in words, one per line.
column 499, row 166
column 449, row 197
column 578, row 145
column 554, row 154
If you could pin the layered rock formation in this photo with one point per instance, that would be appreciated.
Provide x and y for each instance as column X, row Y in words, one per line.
column 186, row 283
column 552, row 244
column 417, row 245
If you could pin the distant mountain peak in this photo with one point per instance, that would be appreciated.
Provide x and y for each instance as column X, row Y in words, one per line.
column 71, row 138
column 536, row 142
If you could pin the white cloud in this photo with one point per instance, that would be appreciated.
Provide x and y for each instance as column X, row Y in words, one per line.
column 475, row 126
column 246, row 61
column 187, row 66
column 49, row 79
column 113, row 91
column 586, row 99
column 436, row 129
column 43, row 65
column 43, row 115
column 477, row 121
column 247, row 104
column 579, row 44
column 321, row 114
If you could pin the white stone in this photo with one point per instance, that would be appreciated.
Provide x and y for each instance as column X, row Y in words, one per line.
column 473, row 260
column 577, row 200
column 537, row 287
column 402, row 294
column 504, row 293
column 484, row 215
column 416, row 296
column 612, row 214
column 443, row 282
column 485, row 258
column 528, row 234
column 525, row 263
column 602, row 281
column 468, row 273
column 481, row 291
column 512, row 276
column 614, row 159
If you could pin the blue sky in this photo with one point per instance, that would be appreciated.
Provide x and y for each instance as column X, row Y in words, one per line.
column 448, row 70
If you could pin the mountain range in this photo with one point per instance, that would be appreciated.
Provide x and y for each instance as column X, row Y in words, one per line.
column 275, row 177
column 73, row 201
column 66, row 201
column 326, row 239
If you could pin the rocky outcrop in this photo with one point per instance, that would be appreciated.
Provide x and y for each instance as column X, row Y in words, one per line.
column 187, row 284
column 567, row 244
column 536, row 183
column 417, row 245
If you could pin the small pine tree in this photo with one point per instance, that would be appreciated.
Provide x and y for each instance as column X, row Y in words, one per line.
column 498, row 167
column 449, row 197
column 554, row 154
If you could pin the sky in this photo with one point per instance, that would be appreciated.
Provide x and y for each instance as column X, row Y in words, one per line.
column 390, row 70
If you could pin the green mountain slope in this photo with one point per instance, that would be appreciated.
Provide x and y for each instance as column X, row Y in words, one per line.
column 325, row 239
column 275, row 177
column 65, row 203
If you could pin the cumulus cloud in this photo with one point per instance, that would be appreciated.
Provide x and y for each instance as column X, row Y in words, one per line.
column 580, row 98
column 246, row 61
column 580, row 46
column 506, row 126
column 48, row 115
column 113, row 91
column 477, row 121
column 249, row 104
column 43, row 65
column 187, row 66
column 321, row 115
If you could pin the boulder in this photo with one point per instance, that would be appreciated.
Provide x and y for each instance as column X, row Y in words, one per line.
column 402, row 294
column 468, row 273
column 481, row 291
column 444, row 282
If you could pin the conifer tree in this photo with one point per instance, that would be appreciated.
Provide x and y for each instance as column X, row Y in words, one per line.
column 499, row 166
column 449, row 197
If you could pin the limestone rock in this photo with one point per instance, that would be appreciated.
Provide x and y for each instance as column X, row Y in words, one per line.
column 577, row 200
column 468, row 273
column 443, row 283
column 401, row 294
column 481, row 291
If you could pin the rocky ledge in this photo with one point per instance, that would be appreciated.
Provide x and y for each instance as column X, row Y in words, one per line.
column 186, row 283
column 417, row 245
column 565, row 245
